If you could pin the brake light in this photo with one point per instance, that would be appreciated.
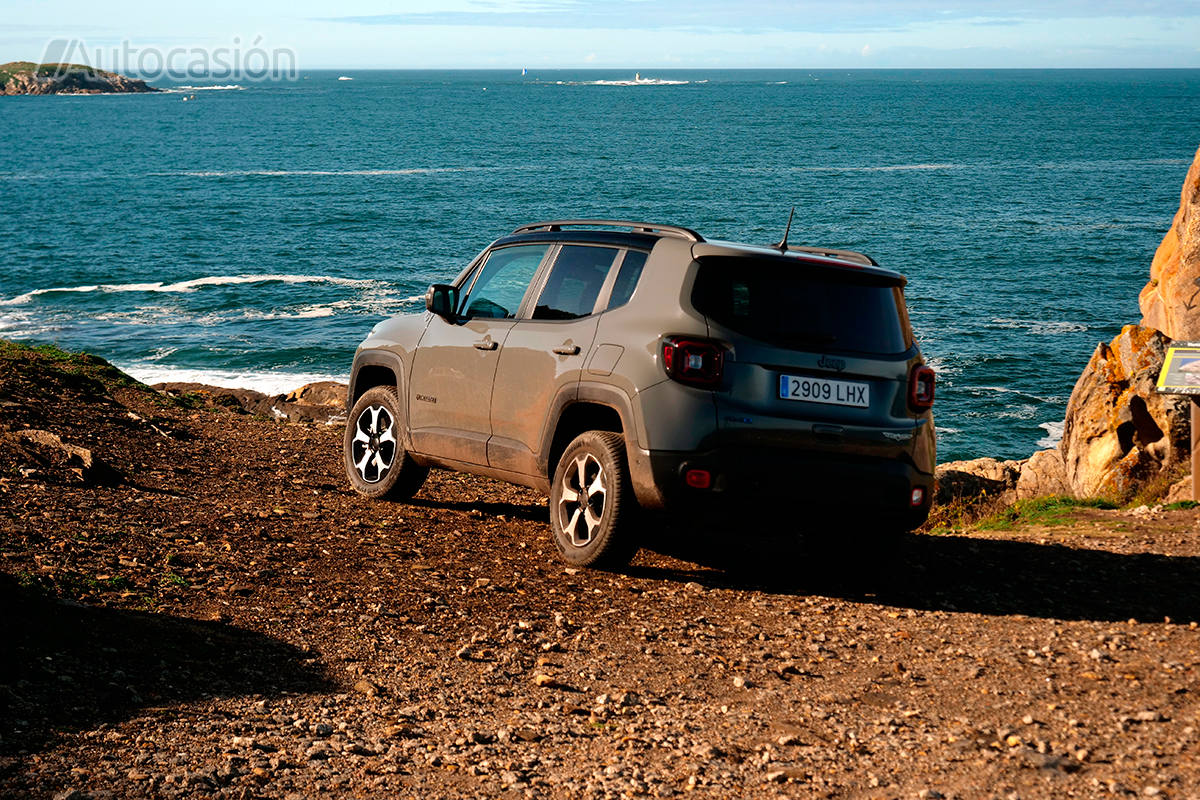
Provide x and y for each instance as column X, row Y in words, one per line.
column 695, row 362
column 921, row 388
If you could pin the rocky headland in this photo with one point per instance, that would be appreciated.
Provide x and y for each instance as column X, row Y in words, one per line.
column 1121, row 438
column 25, row 77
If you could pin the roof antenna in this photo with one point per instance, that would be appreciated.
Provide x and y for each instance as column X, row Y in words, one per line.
column 782, row 246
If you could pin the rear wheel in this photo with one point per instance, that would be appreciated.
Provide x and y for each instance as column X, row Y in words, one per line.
column 376, row 463
column 592, row 504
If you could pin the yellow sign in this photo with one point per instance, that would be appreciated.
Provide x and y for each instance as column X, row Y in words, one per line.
column 1181, row 370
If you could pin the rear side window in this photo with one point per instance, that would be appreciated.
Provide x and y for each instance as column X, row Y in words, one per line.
column 574, row 284
column 803, row 307
column 631, row 270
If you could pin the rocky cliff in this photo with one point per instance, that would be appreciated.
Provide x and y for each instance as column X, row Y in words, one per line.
column 25, row 77
column 1170, row 301
column 1119, row 435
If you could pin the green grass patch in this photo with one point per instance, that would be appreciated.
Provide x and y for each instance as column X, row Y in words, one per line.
column 1182, row 505
column 1053, row 510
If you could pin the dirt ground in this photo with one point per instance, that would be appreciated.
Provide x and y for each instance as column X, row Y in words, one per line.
column 215, row 614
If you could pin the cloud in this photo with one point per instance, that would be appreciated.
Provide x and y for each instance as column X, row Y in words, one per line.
column 866, row 51
column 770, row 15
column 590, row 57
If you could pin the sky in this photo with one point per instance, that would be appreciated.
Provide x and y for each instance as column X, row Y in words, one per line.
column 614, row 34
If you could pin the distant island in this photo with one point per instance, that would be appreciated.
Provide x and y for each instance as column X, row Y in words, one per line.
column 25, row 77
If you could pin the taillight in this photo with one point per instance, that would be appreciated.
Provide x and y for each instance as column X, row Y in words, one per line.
column 695, row 362
column 920, row 388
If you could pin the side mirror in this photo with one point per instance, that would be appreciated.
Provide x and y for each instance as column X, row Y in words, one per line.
column 442, row 299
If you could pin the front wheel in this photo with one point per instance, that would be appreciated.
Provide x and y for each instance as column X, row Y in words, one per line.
column 376, row 463
column 592, row 504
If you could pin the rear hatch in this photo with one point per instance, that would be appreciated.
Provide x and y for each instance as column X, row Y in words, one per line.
column 819, row 352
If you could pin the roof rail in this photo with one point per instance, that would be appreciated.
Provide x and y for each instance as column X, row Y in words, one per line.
column 638, row 227
column 830, row 252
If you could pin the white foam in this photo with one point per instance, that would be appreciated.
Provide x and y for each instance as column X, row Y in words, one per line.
column 230, row 87
column 1054, row 434
column 270, row 383
column 628, row 82
column 305, row 312
column 190, row 285
column 1041, row 326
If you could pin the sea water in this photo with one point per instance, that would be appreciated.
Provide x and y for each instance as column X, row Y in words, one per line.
column 252, row 234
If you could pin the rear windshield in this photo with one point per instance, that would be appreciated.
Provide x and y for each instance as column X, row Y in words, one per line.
column 803, row 307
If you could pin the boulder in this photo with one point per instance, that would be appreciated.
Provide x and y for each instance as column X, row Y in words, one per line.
column 1042, row 474
column 1119, row 432
column 321, row 393
column 1180, row 490
column 1170, row 302
column 976, row 479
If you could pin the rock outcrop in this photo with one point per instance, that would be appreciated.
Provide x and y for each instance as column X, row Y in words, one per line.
column 321, row 402
column 44, row 455
column 1119, row 432
column 25, row 77
column 1170, row 302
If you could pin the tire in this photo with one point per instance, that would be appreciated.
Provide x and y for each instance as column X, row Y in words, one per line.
column 376, row 463
column 592, row 505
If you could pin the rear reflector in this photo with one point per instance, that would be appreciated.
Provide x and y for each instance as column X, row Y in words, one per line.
column 921, row 383
column 698, row 478
column 918, row 497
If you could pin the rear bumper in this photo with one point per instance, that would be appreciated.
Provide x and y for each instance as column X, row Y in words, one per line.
column 797, row 480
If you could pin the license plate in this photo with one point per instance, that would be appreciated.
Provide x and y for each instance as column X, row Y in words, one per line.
column 820, row 390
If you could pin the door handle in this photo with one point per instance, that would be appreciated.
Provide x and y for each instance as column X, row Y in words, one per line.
column 486, row 344
column 567, row 350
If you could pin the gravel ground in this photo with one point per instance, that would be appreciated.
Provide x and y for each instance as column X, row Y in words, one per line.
column 228, row 619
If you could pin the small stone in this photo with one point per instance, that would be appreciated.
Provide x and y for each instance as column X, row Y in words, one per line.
column 508, row 777
column 479, row 737
column 463, row 653
column 1148, row 716
column 930, row 794
column 626, row 699
column 322, row 729
column 1152, row 791
column 789, row 739
column 367, row 687
column 243, row 741
column 777, row 776
column 1013, row 740
column 740, row 682
column 319, row 750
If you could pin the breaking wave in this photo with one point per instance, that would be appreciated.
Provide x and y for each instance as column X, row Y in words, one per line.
column 188, row 286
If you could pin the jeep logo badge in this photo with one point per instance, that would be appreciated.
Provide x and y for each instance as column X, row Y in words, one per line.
column 831, row 363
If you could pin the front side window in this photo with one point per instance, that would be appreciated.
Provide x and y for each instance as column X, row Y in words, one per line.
column 575, row 281
column 502, row 282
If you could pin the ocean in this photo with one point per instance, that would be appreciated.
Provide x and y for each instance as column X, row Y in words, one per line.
column 253, row 233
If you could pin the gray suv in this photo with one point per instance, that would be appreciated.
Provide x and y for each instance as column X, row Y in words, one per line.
column 619, row 366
